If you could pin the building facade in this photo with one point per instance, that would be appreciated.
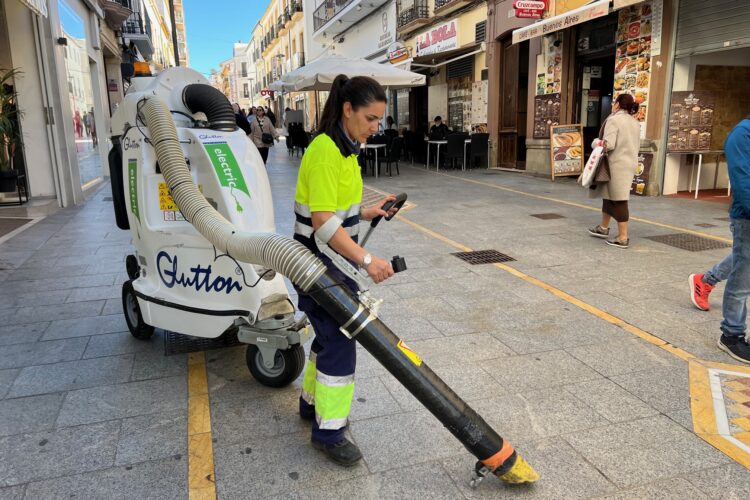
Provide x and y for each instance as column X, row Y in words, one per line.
column 179, row 25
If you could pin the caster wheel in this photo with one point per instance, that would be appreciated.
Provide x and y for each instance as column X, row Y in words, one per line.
column 286, row 368
column 138, row 328
column 132, row 267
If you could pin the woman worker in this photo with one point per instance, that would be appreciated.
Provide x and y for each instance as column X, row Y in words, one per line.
column 330, row 183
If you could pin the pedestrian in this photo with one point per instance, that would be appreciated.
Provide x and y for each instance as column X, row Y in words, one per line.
column 622, row 139
column 735, row 267
column 251, row 115
column 439, row 130
column 239, row 120
column 390, row 123
column 92, row 126
column 263, row 133
column 271, row 116
column 77, row 124
column 330, row 183
column 87, row 123
column 284, row 117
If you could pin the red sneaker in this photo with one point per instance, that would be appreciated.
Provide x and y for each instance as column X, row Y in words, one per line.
column 699, row 292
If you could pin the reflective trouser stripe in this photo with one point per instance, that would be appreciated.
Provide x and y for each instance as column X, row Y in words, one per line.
column 333, row 403
column 308, row 383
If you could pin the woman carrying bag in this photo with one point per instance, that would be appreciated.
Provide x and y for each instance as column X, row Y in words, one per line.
column 621, row 139
column 263, row 133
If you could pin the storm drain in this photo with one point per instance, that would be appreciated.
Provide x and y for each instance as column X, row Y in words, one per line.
column 705, row 225
column 175, row 343
column 483, row 257
column 548, row 216
column 689, row 242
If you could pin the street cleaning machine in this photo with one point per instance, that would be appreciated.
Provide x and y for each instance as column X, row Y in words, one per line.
column 194, row 193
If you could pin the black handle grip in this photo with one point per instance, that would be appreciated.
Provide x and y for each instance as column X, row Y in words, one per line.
column 398, row 264
column 397, row 203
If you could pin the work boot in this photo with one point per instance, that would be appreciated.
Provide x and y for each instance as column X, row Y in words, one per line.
column 699, row 291
column 343, row 453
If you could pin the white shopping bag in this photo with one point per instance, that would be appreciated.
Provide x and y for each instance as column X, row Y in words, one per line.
column 592, row 165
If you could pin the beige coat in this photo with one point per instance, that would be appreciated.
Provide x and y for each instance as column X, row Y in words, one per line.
column 256, row 133
column 623, row 135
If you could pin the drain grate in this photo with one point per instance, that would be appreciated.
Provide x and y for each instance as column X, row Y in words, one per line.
column 483, row 257
column 107, row 198
column 176, row 343
column 548, row 216
column 706, row 225
column 689, row 242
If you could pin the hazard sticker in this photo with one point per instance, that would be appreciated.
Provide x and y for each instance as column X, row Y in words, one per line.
column 167, row 204
column 413, row 356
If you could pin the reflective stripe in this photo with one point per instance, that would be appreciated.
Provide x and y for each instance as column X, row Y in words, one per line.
column 333, row 403
column 309, row 398
column 308, row 382
column 331, row 424
column 335, row 381
column 303, row 230
column 304, row 210
column 301, row 209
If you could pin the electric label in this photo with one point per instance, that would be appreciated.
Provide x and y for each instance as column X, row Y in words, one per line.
column 133, row 186
column 413, row 356
column 226, row 166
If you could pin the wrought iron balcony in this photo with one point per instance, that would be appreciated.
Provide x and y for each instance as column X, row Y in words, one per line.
column 416, row 15
column 443, row 7
column 133, row 25
column 327, row 11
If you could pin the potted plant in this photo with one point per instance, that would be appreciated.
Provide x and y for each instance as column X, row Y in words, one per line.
column 10, row 131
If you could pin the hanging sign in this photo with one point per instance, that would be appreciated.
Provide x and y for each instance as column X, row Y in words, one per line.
column 267, row 93
column 39, row 7
column 529, row 9
column 397, row 53
column 439, row 39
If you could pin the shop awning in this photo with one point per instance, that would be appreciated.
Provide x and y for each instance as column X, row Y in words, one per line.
column 442, row 58
column 580, row 15
column 39, row 7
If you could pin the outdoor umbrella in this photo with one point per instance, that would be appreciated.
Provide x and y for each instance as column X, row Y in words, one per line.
column 319, row 74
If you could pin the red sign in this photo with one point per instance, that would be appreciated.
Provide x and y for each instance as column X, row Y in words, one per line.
column 267, row 93
column 529, row 14
column 529, row 5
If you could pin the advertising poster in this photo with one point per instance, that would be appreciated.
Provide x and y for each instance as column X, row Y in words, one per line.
column 634, row 52
column 546, row 114
column 641, row 174
column 566, row 150
column 691, row 120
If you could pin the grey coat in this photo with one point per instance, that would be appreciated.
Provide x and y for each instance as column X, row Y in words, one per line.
column 623, row 136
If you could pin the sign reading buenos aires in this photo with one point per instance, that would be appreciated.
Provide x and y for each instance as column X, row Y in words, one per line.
column 557, row 23
column 441, row 38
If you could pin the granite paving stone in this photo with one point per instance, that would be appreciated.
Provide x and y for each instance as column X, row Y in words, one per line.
column 71, row 375
column 85, row 327
column 251, row 469
column 154, row 364
column 727, row 482
column 626, row 356
column 32, row 414
column 58, row 311
column 13, row 492
column 44, row 455
column 19, row 334
column 665, row 389
column 152, row 437
column 7, row 377
column 113, row 344
column 95, row 293
column 74, row 282
column 372, row 399
column 642, row 451
column 132, row 399
column 44, row 298
column 157, row 480
column 669, row 489
column 41, row 353
column 610, row 400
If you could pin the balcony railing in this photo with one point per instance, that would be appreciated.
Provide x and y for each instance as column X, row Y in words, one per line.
column 280, row 23
column 442, row 3
column 419, row 10
column 133, row 25
column 327, row 11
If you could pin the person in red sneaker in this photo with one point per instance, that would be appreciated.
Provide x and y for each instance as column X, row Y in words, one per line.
column 701, row 285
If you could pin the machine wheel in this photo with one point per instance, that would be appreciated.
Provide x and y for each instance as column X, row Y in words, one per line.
column 132, row 267
column 287, row 366
column 138, row 328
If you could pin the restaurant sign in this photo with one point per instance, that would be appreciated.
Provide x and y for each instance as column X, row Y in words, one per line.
column 397, row 53
column 441, row 38
column 557, row 23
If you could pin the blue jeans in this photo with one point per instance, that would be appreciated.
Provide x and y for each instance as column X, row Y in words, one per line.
column 737, row 289
column 720, row 272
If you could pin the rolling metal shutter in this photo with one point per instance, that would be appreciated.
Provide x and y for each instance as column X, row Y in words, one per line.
column 710, row 25
column 461, row 67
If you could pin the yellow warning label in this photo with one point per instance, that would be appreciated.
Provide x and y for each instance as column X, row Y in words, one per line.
column 413, row 356
column 166, row 202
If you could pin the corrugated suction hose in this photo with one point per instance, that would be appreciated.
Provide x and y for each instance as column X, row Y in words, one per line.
column 270, row 250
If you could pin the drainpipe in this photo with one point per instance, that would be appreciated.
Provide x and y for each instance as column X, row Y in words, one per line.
column 174, row 34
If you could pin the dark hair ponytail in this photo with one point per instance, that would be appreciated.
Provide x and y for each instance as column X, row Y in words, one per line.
column 627, row 103
column 359, row 91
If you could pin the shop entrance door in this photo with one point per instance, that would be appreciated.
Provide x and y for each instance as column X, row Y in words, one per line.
column 594, row 95
column 513, row 93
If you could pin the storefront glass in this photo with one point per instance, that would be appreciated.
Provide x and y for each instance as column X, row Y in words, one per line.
column 81, row 97
column 402, row 108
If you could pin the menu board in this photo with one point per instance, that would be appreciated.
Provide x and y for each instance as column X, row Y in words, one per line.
column 691, row 120
column 566, row 150
column 546, row 114
column 633, row 60
column 640, row 180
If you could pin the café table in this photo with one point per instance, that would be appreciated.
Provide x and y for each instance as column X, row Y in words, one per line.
column 438, row 143
column 374, row 147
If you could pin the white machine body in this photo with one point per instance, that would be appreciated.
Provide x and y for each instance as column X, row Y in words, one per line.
column 185, row 284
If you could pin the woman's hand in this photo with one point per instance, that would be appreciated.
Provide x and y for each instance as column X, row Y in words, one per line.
column 376, row 210
column 379, row 269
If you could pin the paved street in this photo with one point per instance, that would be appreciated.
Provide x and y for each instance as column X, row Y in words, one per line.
column 576, row 352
